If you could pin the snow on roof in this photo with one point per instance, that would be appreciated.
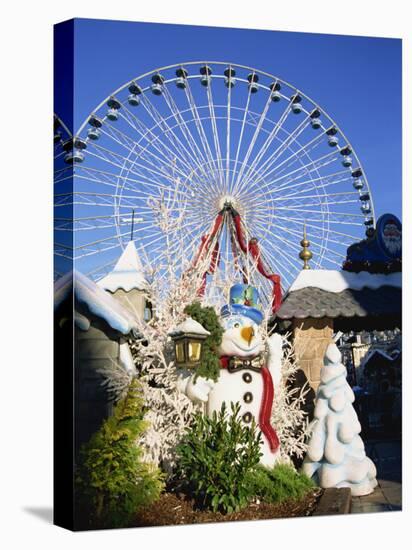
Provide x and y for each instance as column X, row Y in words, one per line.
column 99, row 302
column 338, row 281
column 190, row 326
column 62, row 288
column 127, row 274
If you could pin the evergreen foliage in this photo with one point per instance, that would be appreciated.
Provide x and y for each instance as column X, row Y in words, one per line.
column 280, row 483
column 111, row 480
column 209, row 365
column 215, row 459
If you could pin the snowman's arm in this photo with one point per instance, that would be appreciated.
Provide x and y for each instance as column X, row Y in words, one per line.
column 195, row 387
column 275, row 357
column 182, row 380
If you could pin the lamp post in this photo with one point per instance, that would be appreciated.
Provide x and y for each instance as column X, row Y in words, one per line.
column 188, row 339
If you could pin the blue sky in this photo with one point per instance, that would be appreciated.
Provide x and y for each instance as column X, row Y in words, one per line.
column 357, row 80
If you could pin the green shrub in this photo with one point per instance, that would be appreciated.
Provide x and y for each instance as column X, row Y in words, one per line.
column 111, row 479
column 209, row 362
column 282, row 482
column 215, row 459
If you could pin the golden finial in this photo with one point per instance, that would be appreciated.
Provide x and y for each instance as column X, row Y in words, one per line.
column 305, row 254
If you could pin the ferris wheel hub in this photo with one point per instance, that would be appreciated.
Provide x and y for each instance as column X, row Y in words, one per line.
column 227, row 200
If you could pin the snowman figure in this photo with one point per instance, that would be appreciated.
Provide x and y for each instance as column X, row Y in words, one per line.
column 248, row 376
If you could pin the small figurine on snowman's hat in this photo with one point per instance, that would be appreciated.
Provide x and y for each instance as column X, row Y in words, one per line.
column 248, row 376
column 244, row 300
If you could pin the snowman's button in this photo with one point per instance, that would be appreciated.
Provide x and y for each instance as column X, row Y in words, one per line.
column 247, row 417
column 247, row 377
column 248, row 397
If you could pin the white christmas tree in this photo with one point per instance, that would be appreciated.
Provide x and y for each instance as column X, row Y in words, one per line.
column 336, row 454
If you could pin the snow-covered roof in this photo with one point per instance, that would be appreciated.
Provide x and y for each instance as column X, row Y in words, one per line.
column 345, row 296
column 127, row 274
column 338, row 281
column 98, row 301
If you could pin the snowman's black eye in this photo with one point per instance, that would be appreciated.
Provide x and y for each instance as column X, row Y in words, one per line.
column 236, row 325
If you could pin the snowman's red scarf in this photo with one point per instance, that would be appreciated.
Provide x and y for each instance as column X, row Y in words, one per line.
column 266, row 407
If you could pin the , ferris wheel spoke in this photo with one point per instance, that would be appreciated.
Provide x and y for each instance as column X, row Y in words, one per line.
column 144, row 134
column 293, row 158
column 273, row 157
column 203, row 157
column 252, row 143
column 269, row 166
column 78, row 224
column 187, row 135
column 321, row 248
column 199, row 125
column 109, row 178
column 216, row 140
column 136, row 189
column 323, row 201
column 99, row 241
column 194, row 161
column 286, row 262
column 59, row 155
column 101, row 250
column 293, row 136
column 324, row 181
column 93, row 179
column 344, row 214
column 267, row 142
column 299, row 222
column 144, row 152
column 150, row 236
column 103, row 269
column 301, row 208
column 89, row 253
column 171, row 136
column 179, row 123
column 229, row 96
column 118, row 136
column 284, row 256
column 63, row 174
column 301, row 171
column 278, row 261
column 167, row 160
column 138, row 168
column 300, row 197
column 154, row 142
column 242, row 130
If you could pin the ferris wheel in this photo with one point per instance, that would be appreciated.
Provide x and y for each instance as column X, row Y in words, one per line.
column 209, row 139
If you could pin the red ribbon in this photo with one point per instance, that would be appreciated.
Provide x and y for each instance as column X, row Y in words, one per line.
column 266, row 406
column 255, row 252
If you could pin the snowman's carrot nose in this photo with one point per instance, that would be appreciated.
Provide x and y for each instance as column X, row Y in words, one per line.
column 247, row 334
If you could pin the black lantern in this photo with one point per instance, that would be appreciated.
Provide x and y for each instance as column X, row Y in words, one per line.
column 188, row 339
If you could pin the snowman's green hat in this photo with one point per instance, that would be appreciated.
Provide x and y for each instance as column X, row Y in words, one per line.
column 243, row 300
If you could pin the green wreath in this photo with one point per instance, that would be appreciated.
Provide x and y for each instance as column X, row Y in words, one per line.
column 209, row 362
